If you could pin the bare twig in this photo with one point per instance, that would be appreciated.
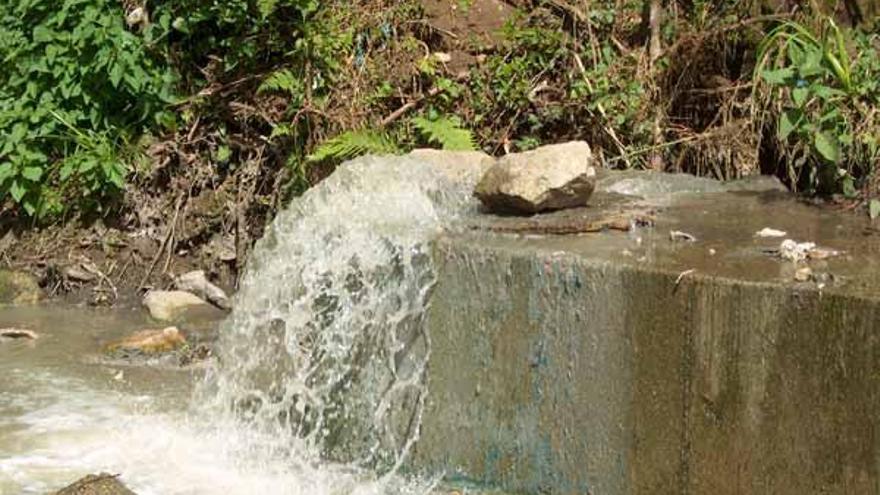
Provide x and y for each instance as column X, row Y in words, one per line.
column 406, row 107
column 682, row 275
column 167, row 238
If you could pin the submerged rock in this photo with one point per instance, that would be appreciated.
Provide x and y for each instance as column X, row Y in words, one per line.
column 19, row 288
column 168, row 305
column 197, row 283
column 96, row 484
column 17, row 334
column 149, row 342
column 548, row 178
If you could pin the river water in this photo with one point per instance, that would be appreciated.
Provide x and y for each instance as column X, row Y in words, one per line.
column 317, row 388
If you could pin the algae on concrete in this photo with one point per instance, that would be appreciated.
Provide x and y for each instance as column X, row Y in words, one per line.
column 624, row 363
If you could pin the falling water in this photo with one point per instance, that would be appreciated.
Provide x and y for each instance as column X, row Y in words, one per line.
column 325, row 354
column 319, row 383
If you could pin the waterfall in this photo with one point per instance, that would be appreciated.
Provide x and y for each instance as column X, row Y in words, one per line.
column 325, row 354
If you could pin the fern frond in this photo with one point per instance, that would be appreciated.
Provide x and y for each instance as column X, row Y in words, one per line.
column 281, row 130
column 354, row 143
column 447, row 132
column 282, row 81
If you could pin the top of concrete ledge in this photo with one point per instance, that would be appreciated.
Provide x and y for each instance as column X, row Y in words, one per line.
column 722, row 218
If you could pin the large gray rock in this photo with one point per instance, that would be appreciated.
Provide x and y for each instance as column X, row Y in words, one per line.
column 169, row 305
column 18, row 288
column 197, row 283
column 549, row 178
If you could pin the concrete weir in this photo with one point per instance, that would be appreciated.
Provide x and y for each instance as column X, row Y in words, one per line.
column 633, row 363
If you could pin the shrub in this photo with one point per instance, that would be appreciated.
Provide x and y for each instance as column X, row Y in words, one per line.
column 74, row 83
column 823, row 99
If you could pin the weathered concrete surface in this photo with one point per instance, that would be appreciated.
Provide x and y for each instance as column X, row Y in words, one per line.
column 590, row 364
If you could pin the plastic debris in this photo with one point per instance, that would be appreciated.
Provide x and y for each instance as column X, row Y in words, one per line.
column 802, row 251
column 768, row 232
column 795, row 251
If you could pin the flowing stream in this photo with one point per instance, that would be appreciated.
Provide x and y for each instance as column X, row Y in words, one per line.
column 318, row 385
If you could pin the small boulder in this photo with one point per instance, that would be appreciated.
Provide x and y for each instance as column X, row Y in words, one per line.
column 549, row 178
column 19, row 288
column 96, row 484
column 197, row 283
column 149, row 342
column 169, row 305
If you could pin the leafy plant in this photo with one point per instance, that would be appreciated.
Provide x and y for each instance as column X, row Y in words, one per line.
column 283, row 81
column 824, row 93
column 74, row 58
column 354, row 143
column 447, row 132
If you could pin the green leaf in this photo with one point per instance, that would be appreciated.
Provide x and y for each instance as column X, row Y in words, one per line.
column 827, row 146
column 281, row 130
column 788, row 122
column 266, row 7
column 800, row 96
column 874, row 209
column 116, row 73
column 827, row 93
column 223, row 153
column 353, row 143
column 5, row 171
column 66, row 170
column 812, row 64
column 29, row 207
column 447, row 132
column 19, row 131
column 17, row 191
column 796, row 54
column 42, row 34
column 778, row 77
column 32, row 174
column 832, row 114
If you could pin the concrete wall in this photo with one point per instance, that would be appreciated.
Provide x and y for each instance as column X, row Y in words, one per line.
column 566, row 374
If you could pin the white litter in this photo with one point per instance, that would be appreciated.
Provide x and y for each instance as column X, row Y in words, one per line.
column 795, row 251
column 768, row 232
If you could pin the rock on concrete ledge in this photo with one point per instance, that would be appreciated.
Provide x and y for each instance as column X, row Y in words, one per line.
column 549, row 178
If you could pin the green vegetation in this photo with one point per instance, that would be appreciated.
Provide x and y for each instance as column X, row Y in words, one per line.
column 105, row 104
column 75, row 87
column 824, row 102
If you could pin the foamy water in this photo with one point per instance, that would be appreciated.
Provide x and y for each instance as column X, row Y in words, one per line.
column 323, row 358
